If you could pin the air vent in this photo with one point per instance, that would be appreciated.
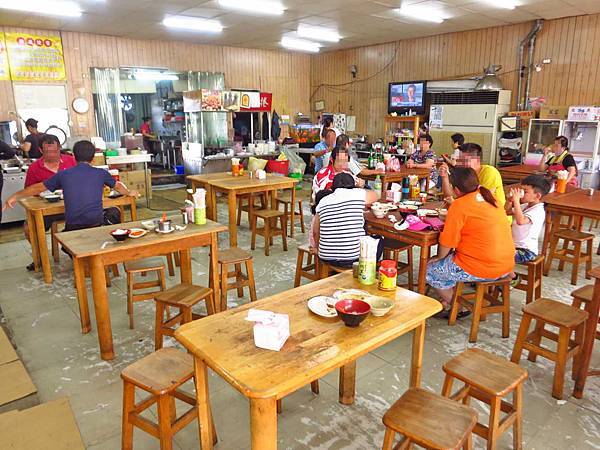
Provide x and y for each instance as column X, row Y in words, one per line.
column 465, row 98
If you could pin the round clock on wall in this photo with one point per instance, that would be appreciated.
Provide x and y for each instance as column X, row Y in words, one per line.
column 80, row 105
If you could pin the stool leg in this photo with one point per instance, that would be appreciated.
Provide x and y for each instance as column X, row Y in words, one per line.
column 588, row 256
column 579, row 334
column 55, row 252
column 476, row 313
column 158, row 324
column 239, row 212
column 537, row 339
column 238, row 279
column 291, row 223
column 251, row 285
column 409, row 256
column 186, row 312
column 538, row 278
column 388, row 439
column 314, row 387
column 170, row 264
column 518, row 424
column 164, row 422
column 493, row 434
column 553, row 244
column 267, row 235
column 577, row 259
column 468, row 445
column 130, row 283
column 107, row 275
column 128, row 406
column 521, row 335
column 531, row 281
column 283, row 220
column 506, row 310
column 253, row 240
column 299, row 263
column 447, row 387
column 561, row 362
column 224, row 283
column 114, row 268
column 455, row 304
column 565, row 249
column 301, row 216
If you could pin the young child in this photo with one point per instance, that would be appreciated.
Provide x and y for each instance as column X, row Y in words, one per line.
column 528, row 217
column 312, row 242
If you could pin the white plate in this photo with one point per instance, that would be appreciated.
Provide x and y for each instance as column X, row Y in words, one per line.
column 165, row 232
column 318, row 305
column 412, row 202
column 144, row 232
column 149, row 224
column 428, row 212
column 354, row 293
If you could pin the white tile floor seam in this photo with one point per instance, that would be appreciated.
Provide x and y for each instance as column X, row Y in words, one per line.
column 62, row 362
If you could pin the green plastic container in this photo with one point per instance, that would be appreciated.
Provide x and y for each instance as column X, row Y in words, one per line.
column 111, row 153
column 297, row 176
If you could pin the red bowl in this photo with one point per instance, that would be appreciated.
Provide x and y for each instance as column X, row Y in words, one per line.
column 352, row 311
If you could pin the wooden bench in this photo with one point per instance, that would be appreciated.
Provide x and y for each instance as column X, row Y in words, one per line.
column 235, row 256
column 270, row 229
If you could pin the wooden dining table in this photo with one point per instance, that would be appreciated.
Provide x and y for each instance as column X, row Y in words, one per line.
column 36, row 208
column 224, row 343
column 232, row 186
column 90, row 247
column 390, row 177
column 422, row 239
column 514, row 174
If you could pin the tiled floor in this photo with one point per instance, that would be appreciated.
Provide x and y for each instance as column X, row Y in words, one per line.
column 44, row 323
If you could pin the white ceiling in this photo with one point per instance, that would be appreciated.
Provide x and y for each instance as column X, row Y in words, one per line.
column 360, row 22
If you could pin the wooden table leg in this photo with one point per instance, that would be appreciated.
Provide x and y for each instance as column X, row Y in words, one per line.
column 214, row 270
column 231, row 200
column 212, row 195
column 43, row 246
column 347, row 384
column 423, row 260
column 101, row 308
column 593, row 309
column 208, row 436
column 263, row 423
column 417, row 355
column 84, row 312
column 133, row 209
column 293, row 211
column 185, row 269
column 33, row 240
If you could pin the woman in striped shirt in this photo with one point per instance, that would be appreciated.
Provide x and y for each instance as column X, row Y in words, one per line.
column 340, row 221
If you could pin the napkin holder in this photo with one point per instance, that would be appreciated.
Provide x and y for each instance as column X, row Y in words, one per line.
column 271, row 330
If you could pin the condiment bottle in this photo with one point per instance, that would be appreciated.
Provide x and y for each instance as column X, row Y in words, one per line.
column 388, row 275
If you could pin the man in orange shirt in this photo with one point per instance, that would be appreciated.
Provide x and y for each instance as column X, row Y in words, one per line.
column 476, row 244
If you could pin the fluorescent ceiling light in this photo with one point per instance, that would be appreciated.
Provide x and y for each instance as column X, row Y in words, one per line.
column 504, row 4
column 46, row 7
column 423, row 13
column 300, row 44
column 318, row 33
column 148, row 75
column 255, row 6
column 193, row 24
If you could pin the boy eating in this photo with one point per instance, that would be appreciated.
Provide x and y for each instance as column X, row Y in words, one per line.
column 526, row 206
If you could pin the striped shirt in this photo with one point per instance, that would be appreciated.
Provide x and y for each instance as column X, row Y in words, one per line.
column 341, row 224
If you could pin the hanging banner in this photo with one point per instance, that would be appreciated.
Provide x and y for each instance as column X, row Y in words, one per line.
column 192, row 101
column 266, row 101
column 250, row 100
column 35, row 58
column 4, row 69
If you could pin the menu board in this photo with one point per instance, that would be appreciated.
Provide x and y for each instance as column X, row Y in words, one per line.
column 4, row 70
column 35, row 57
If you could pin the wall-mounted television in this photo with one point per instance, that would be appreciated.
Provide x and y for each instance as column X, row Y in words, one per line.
column 407, row 96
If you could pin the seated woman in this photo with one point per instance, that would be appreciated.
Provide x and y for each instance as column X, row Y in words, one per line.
column 340, row 222
column 424, row 159
column 476, row 244
column 562, row 160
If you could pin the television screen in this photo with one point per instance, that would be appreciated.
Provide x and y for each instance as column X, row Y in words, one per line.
column 404, row 96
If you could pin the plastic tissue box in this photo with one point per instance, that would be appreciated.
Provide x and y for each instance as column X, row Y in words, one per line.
column 271, row 330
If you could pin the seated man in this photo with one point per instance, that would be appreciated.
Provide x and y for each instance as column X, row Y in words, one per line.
column 82, row 187
column 51, row 162
column 489, row 177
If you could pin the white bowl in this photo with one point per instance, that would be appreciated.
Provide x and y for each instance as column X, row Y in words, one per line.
column 149, row 224
column 379, row 213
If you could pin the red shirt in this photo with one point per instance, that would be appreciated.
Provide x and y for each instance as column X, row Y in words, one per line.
column 145, row 128
column 38, row 173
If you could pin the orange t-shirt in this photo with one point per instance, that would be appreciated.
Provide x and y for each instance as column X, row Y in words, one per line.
column 480, row 235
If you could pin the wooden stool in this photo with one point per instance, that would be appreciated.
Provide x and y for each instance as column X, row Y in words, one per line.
column 489, row 379
column 531, row 282
column 286, row 201
column 569, row 320
column 392, row 250
column 160, row 374
column 270, row 228
column 143, row 266
column 53, row 241
column 308, row 271
column 484, row 301
column 262, row 197
column 325, row 269
column 583, row 296
column 572, row 256
column 428, row 420
column 182, row 297
column 235, row 256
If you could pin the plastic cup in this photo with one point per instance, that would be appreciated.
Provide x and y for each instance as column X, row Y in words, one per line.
column 561, row 185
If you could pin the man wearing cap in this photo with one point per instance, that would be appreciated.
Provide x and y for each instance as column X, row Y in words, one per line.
column 31, row 144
